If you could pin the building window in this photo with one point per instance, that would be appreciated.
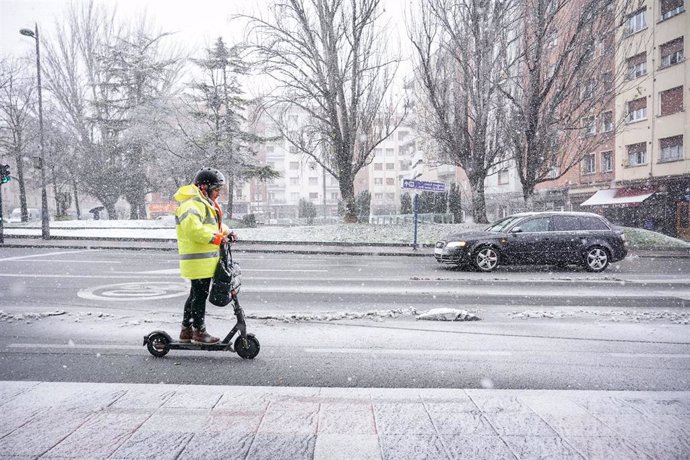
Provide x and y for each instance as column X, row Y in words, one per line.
column 588, row 89
column 314, row 195
column 390, row 181
column 390, row 152
column 313, row 181
column 294, row 196
column 637, row 66
column 589, row 126
column 335, row 196
column 671, row 101
column 292, row 149
column 637, row 109
column 378, row 180
column 554, row 171
column 552, row 40
column 607, row 122
column 378, row 196
column 671, row 52
column 294, row 165
column 404, row 164
column 552, row 70
column 636, row 22
column 503, row 176
column 637, row 154
column 606, row 162
column 671, row 148
column 390, row 196
column 390, row 166
column 402, row 135
column 670, row 8
column 607, row 81
column 589, row 164
column 378, row 166
column 294, row 181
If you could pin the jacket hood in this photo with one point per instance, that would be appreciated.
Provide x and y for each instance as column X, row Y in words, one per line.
column 186, row 192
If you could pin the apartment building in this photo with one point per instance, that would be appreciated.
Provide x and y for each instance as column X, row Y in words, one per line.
column 301, row 177
column 652, row 167
column 392, row 161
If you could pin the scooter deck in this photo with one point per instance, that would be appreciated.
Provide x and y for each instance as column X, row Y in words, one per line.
column 220, row 346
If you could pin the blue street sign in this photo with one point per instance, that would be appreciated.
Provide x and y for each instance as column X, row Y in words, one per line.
column 424, row 185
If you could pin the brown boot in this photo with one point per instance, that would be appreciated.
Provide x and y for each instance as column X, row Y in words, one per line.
column 201, row 336
column 186, row 334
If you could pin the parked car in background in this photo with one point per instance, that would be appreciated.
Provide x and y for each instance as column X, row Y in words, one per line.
column 32, row 213
column 538, row 238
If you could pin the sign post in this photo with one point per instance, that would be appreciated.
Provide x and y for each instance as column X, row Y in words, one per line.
column 425, row 186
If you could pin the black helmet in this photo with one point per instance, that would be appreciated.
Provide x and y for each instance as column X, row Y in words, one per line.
column 209, row 176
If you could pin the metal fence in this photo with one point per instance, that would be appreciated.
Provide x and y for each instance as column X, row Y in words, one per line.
column 427, row 218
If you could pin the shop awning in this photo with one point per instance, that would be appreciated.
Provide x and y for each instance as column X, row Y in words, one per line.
column 621, row 197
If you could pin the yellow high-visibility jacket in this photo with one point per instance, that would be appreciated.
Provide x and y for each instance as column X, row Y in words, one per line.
column 199, row 233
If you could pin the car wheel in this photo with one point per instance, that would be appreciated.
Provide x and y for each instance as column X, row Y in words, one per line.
column 485, row 259
column 596, row 259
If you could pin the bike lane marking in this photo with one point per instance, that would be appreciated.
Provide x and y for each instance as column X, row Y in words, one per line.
column 44, row 254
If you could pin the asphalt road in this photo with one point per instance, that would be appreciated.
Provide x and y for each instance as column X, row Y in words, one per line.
column 105, row 301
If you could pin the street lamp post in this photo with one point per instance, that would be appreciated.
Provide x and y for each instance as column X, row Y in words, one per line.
column 45, row 222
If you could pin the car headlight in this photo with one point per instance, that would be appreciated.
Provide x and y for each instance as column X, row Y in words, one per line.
column 456, row 244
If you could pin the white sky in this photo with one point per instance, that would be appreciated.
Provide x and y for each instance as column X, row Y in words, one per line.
column 197, row 23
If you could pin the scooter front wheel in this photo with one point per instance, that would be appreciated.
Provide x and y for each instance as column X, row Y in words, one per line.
column 249, row 348
column 158, row 345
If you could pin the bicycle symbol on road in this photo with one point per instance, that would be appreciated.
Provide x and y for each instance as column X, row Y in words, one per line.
column 134, row 291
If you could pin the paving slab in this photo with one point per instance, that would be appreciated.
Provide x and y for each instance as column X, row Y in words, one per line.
column 51, row 420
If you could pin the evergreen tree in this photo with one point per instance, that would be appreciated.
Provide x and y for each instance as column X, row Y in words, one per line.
column 307, row 210
column 405, row 203
column 455, row 202
column 216, row 105
column 363, row 202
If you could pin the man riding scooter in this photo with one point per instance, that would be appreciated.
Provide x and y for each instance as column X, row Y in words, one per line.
column 200, row 232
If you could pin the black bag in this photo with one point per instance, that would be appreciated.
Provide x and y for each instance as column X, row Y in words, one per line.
column 227, row 278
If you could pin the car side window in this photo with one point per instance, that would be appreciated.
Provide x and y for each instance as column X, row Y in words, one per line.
column 566, row 224
column 592, row 223
column 540, row 224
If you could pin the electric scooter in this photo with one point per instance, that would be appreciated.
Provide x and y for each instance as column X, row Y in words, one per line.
column 159, row 343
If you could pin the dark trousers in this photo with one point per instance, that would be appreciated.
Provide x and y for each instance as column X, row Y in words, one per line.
column 195, row 306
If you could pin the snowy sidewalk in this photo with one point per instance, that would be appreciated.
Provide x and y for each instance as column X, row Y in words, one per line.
column 125, row 421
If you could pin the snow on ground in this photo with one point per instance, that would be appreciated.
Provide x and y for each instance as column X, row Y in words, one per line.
column 338, row 233
column 607, row 315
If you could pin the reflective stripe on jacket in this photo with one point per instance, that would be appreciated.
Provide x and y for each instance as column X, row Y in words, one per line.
column 199, row 233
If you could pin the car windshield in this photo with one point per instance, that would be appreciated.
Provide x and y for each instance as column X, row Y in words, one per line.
column 502, row 224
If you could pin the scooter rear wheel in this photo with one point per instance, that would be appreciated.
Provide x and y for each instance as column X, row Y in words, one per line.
column 158, row 345
column 248, row 349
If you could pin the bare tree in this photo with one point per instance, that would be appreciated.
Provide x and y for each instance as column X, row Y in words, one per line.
column 16, row 120
column 328, row 59
column 565, row 79
column 111, row 84
column 461, row 48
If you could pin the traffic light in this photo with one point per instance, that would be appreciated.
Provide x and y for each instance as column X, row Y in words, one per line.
column 5, row 173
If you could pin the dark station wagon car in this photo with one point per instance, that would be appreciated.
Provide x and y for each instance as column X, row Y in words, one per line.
column 539, row 238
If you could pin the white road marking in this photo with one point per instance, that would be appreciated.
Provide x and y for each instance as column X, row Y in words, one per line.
column 126, row 292
column 479, row 352
column 68, row 346
column 173, row 271
column 70, row 261
column 44, row 254
column 390, row 351
column 648, row 355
